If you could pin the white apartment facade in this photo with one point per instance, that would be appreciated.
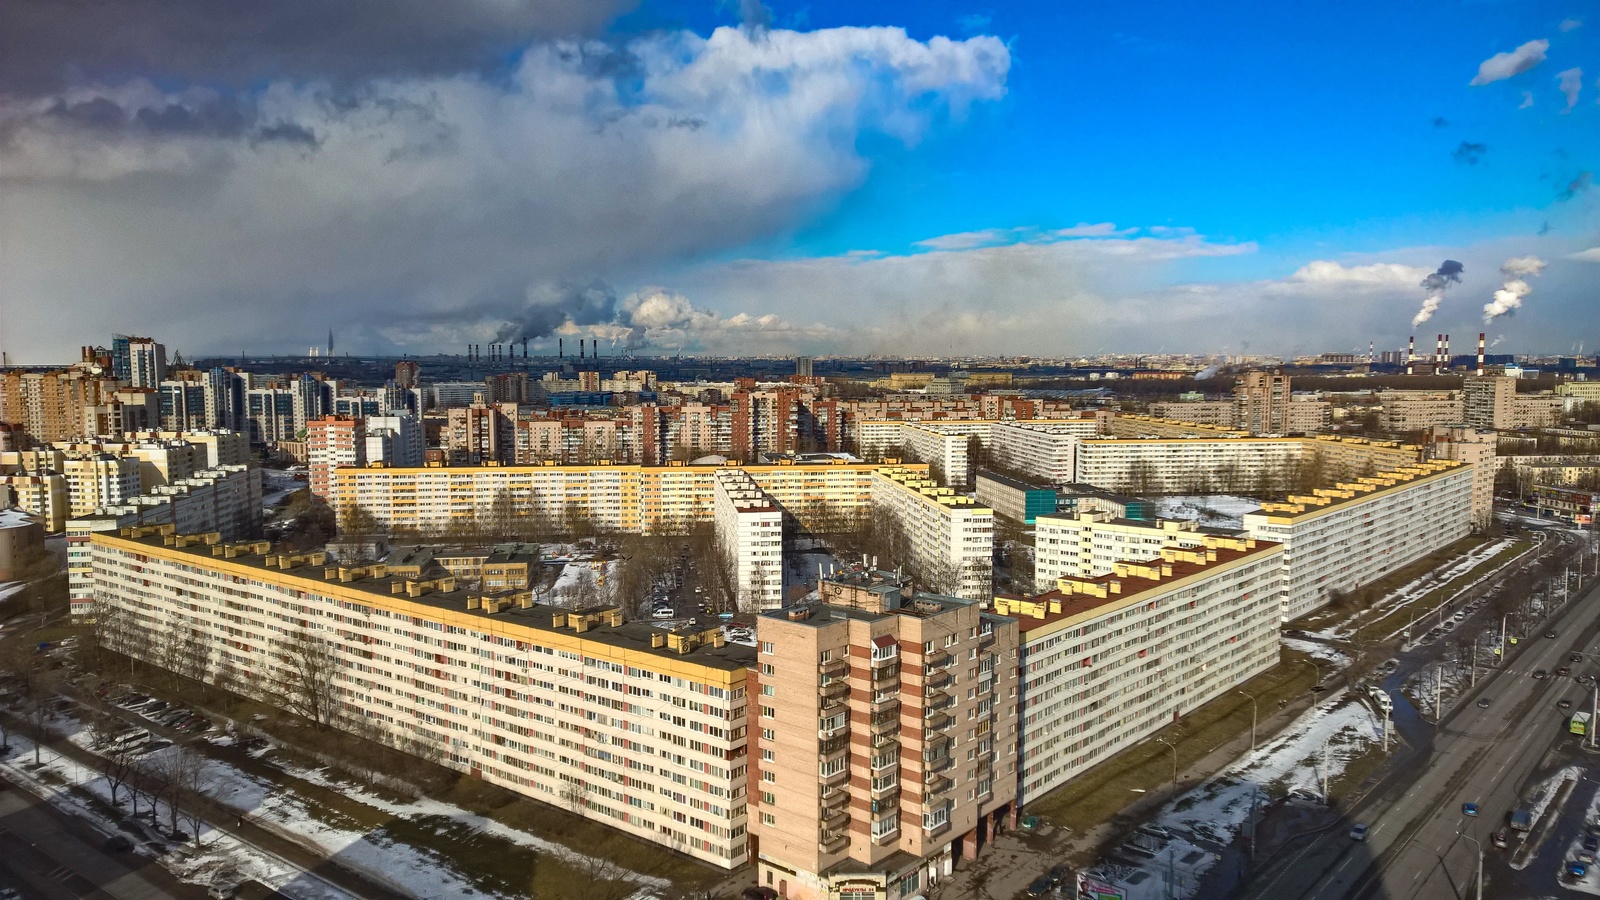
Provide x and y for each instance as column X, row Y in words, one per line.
column 641, row 729
column 1089, row 544
column 749, row 528
column 1108, row 661
column 1043, row 450
column 628, row 499
column 99, row 479
column 950, row 537
column 225, row 499
column 1340, row 538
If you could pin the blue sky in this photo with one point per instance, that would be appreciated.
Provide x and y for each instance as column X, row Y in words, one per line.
column 1300, row 126
column 657, row 176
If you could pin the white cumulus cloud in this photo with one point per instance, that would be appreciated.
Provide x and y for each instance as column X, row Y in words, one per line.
column 387, row 208
column 1505, row 65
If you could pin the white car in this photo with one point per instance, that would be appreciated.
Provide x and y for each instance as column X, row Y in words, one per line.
column 664, row 612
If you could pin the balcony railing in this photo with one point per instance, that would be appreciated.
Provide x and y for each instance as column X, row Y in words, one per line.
column 937, row 828
column 937, row 680
column 985, row 637
column 829, row 704
column 937, row 765
column 939, row 721
column 883, row 721
column 936, row 660
column 890, row 735
column 940, row 785
column 885, row 673
column 833, row 842
column 833, row 745
column 835, row 689
column 940, row 700
column 837, row 822
column 834, row 668
column 882, row 706
column 835, row 799
column 839, row 777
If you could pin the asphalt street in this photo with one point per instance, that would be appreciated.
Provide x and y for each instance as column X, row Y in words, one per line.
column 1420, row 843
column 48, row 854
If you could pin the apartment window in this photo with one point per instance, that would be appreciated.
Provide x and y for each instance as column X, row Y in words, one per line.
column 768, row 799
column 769, row 776
column 769, row 819
column 825, row 656
column 768, row 712
column 885, row 827
column 767, row 734
column 768, row 669
column 766, row 647
column 768, row 690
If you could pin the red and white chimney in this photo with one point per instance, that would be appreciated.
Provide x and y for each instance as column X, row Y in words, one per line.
column 1444, row 361
column 1480, row 353
column 1438, row 351
column 1411, row 352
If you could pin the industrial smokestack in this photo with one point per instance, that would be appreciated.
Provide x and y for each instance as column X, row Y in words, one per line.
column 1480, row 353
column 1411, row 352
column 561, row 348
column 1438, row 350
column 1447, row 351
column 580, row 348
column 1370, row 346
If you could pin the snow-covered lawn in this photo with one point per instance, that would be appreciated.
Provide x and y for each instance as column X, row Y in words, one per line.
column 416, row 871
column 1544, row 794
column 1311, row 752
column 1415, row 590
column 1211, row 510
column 220, row 857
column 1318, row 650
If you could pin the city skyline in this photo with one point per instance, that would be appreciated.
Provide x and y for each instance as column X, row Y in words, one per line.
column 824, row 179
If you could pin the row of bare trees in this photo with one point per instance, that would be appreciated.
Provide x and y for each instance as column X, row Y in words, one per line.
column 176, row 778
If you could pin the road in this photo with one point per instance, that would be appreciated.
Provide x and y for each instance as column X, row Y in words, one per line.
column 49, row 854
column 1482, row 755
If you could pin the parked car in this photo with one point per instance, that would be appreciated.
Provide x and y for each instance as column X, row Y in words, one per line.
column 1501, row 838
column 1575, row 657
column 1483, row 702
column 1589, row 847
column 1540, row 673
column 1550, row 634
column 1577, row 868
column 1563, row 703
column 1563, row 671
column 1469, row 809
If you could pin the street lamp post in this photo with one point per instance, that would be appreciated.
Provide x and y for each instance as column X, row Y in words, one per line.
column 1174, row 749
column 1479, row 845
column 1253, row 711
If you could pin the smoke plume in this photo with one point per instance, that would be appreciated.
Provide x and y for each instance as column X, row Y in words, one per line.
column 1448, row 273
column 1509, row 298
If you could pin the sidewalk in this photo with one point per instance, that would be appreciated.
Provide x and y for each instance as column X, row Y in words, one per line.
column 1014, row 860
column 230, row 821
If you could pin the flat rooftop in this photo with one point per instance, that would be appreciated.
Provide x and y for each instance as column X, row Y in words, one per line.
column 1133, row 581
column 640, row 636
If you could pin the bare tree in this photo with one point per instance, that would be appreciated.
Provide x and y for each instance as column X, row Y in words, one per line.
column 116, row 760
column 193, row 782
column 194, row 658
column 306, row 675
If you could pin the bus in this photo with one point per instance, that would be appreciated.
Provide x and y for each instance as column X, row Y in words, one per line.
column 1579, row 723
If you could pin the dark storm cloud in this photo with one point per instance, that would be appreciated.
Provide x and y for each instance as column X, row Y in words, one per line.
column 1468, row 153
column 549, row 307
column 45, row 44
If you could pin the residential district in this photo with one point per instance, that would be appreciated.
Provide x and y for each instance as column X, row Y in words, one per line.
column 807, row 628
